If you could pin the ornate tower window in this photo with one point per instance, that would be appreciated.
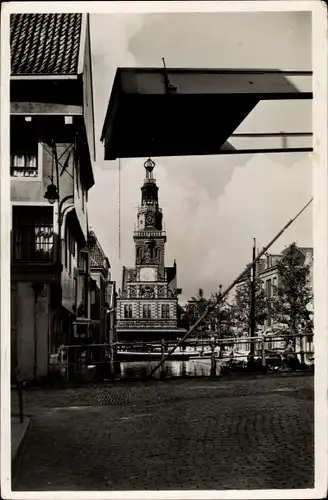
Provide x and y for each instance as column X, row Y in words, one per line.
column 146, row 311
column 139, row 255
column 127, row 310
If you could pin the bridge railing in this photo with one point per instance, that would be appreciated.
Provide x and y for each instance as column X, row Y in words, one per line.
column 77, row 360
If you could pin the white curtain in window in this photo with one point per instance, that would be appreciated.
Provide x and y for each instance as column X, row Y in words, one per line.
column 19, row 160
column 31, row 161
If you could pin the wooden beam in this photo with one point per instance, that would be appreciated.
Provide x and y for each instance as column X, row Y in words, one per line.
column 41, row 108
column 43, row 77
column 262, row 84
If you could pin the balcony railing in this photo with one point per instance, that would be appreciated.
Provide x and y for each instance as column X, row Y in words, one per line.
column 149, row 208
column 149, row 234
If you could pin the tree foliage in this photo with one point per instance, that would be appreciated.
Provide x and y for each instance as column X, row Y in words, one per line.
column 293, row 295
column 241, row 309
column 217, row 320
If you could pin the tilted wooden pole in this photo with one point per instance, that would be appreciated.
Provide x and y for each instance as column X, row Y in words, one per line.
column 227, row 290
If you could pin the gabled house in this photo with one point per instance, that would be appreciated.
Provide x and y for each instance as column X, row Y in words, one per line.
column 103, row 288
column 52, row 152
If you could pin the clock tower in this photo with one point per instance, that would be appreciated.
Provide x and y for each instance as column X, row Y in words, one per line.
column 149, row 236
column 148, row 301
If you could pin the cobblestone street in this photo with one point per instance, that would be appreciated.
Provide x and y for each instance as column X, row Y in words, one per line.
column 180, row 434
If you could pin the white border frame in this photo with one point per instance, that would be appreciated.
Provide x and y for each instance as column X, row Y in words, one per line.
column 320, row 157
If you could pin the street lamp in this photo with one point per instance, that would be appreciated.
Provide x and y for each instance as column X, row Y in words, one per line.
column 52, row 194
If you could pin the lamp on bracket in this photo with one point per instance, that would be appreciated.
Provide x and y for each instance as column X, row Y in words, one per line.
column 52, row 194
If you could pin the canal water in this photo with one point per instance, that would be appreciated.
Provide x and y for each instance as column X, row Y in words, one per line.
column 172, row 368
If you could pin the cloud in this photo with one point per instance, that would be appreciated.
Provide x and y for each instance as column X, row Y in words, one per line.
column 213, row 205
column 211, row 238
column 253, row 40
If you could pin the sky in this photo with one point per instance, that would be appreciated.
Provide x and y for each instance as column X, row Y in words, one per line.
column 213, row 206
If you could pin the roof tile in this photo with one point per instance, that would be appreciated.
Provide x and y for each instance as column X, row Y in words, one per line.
column 97, row 255
column 45, row 43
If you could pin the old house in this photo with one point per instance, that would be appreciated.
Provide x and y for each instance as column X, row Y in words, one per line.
column 268, row 276
column 52, row 151
column 102, row 292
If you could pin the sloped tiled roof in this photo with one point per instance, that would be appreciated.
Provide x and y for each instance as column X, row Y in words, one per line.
column 45, row 43
column 97, row 255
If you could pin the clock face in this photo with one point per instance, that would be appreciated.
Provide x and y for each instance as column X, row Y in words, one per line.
column 150, row 219
column 147, row 274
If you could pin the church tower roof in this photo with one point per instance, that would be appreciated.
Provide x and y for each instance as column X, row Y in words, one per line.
column 149, row 190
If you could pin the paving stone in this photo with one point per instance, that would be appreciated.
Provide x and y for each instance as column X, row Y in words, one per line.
column 235, row 434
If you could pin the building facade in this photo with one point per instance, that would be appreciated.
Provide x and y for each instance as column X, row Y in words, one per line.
column 267, row 273
column 102, row 293
column 147, row 307
column 51, row 168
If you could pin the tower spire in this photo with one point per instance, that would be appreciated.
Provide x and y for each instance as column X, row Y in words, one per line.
column 149, row 166
column 149, row 190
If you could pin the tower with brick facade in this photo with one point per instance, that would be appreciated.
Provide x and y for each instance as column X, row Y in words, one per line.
column 147, row 307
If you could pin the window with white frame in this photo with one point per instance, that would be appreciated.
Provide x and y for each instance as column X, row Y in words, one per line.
column 33, row 233
column 24, row 156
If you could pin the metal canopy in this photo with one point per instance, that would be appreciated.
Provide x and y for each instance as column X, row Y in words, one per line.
column 181, row 112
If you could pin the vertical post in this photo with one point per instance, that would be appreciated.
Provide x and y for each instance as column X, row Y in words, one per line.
column 67, row 363
column 111, row 357
column 162, row 358
column 263, row 353
column 302, row 349
column 219, row 310
column 253, row 298
column 163, row 349
column 213, row 360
